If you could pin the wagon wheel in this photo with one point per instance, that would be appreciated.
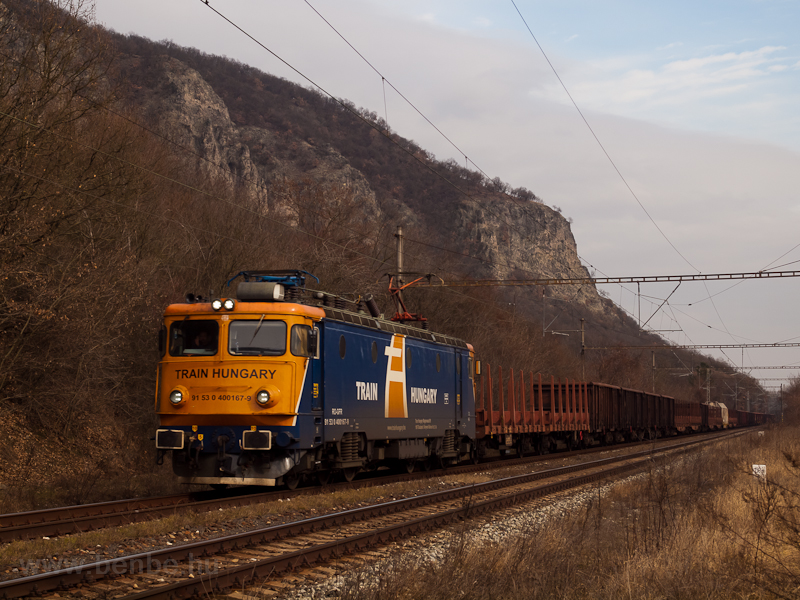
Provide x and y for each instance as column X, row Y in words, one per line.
column 410, row 465
column 349, row 473
column 473, row 456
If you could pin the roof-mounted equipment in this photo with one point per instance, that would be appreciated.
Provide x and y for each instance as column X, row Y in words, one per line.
column 271, row 286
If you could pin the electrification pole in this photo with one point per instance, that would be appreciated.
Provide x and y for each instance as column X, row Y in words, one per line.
column 399, row 236
column 583, row 351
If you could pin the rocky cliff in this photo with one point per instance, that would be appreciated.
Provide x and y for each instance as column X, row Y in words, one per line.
column 510, row 236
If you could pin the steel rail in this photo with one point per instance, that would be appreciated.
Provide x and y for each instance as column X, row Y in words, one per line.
column 91, row 572
column 240, row 576
column 33, row 523
column 82, row 518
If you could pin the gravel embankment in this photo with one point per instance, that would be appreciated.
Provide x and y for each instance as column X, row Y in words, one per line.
column 500, row 528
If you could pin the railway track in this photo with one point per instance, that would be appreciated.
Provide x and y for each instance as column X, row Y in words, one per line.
column 234, row 561
column 69, row 520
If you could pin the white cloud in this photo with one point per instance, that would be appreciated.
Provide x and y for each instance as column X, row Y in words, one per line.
column 677, row 81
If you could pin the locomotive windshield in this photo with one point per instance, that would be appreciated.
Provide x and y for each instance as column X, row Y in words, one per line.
column 257, row 338
column 193, row 338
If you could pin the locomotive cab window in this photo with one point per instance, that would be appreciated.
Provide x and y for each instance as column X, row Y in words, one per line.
column 193, row 338
column 304, row 341
column 257, row 338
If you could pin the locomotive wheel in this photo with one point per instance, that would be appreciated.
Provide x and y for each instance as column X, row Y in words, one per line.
column 291, row 480
column 323, row 477
column 349, row 473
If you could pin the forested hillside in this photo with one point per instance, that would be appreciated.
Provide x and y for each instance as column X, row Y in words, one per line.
column 132, row 172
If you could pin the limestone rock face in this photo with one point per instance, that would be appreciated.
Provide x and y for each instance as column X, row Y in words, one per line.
column 190, row 113
column 518, row 238
column 526, row 240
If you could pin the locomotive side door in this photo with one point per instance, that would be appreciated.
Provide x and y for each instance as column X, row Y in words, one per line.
column 460, row 372
column 316, row 379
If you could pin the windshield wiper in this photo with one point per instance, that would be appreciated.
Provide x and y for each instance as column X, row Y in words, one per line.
column 255, row 333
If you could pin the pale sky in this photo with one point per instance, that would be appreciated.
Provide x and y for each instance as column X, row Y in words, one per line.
column 696, row 103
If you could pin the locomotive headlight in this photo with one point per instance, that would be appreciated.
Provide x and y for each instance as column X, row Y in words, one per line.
column 262, row 397
column 228, row 304
column 216, row 304
column 176, row 397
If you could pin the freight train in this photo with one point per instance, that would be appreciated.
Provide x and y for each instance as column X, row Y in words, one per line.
column 280, row 385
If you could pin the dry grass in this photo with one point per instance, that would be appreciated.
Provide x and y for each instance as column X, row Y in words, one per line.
column 701, row 526
column 86, row 486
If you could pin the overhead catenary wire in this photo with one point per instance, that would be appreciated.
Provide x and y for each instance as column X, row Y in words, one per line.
column 391, row 85
column 226, row 237
column 361, row 117
column 383, row 80
column 385, row 134
column 597, row 139
column 604, row 280
column 187, row 150
column 611, row 160
column 257, row 214
column 698, row 346
column 465, row 157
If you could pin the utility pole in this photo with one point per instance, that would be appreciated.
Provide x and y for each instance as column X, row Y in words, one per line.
column 654, row 370
column 544, row 287
column 639, row 297
column 399, row 236
column 583, row 351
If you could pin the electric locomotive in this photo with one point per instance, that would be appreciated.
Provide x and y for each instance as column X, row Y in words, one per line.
column 277, row 385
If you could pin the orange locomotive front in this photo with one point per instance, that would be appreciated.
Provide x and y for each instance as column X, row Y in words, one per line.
column 229, row 386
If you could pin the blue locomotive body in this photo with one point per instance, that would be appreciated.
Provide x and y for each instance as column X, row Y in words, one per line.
column 259, row 390
column 402, row 394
